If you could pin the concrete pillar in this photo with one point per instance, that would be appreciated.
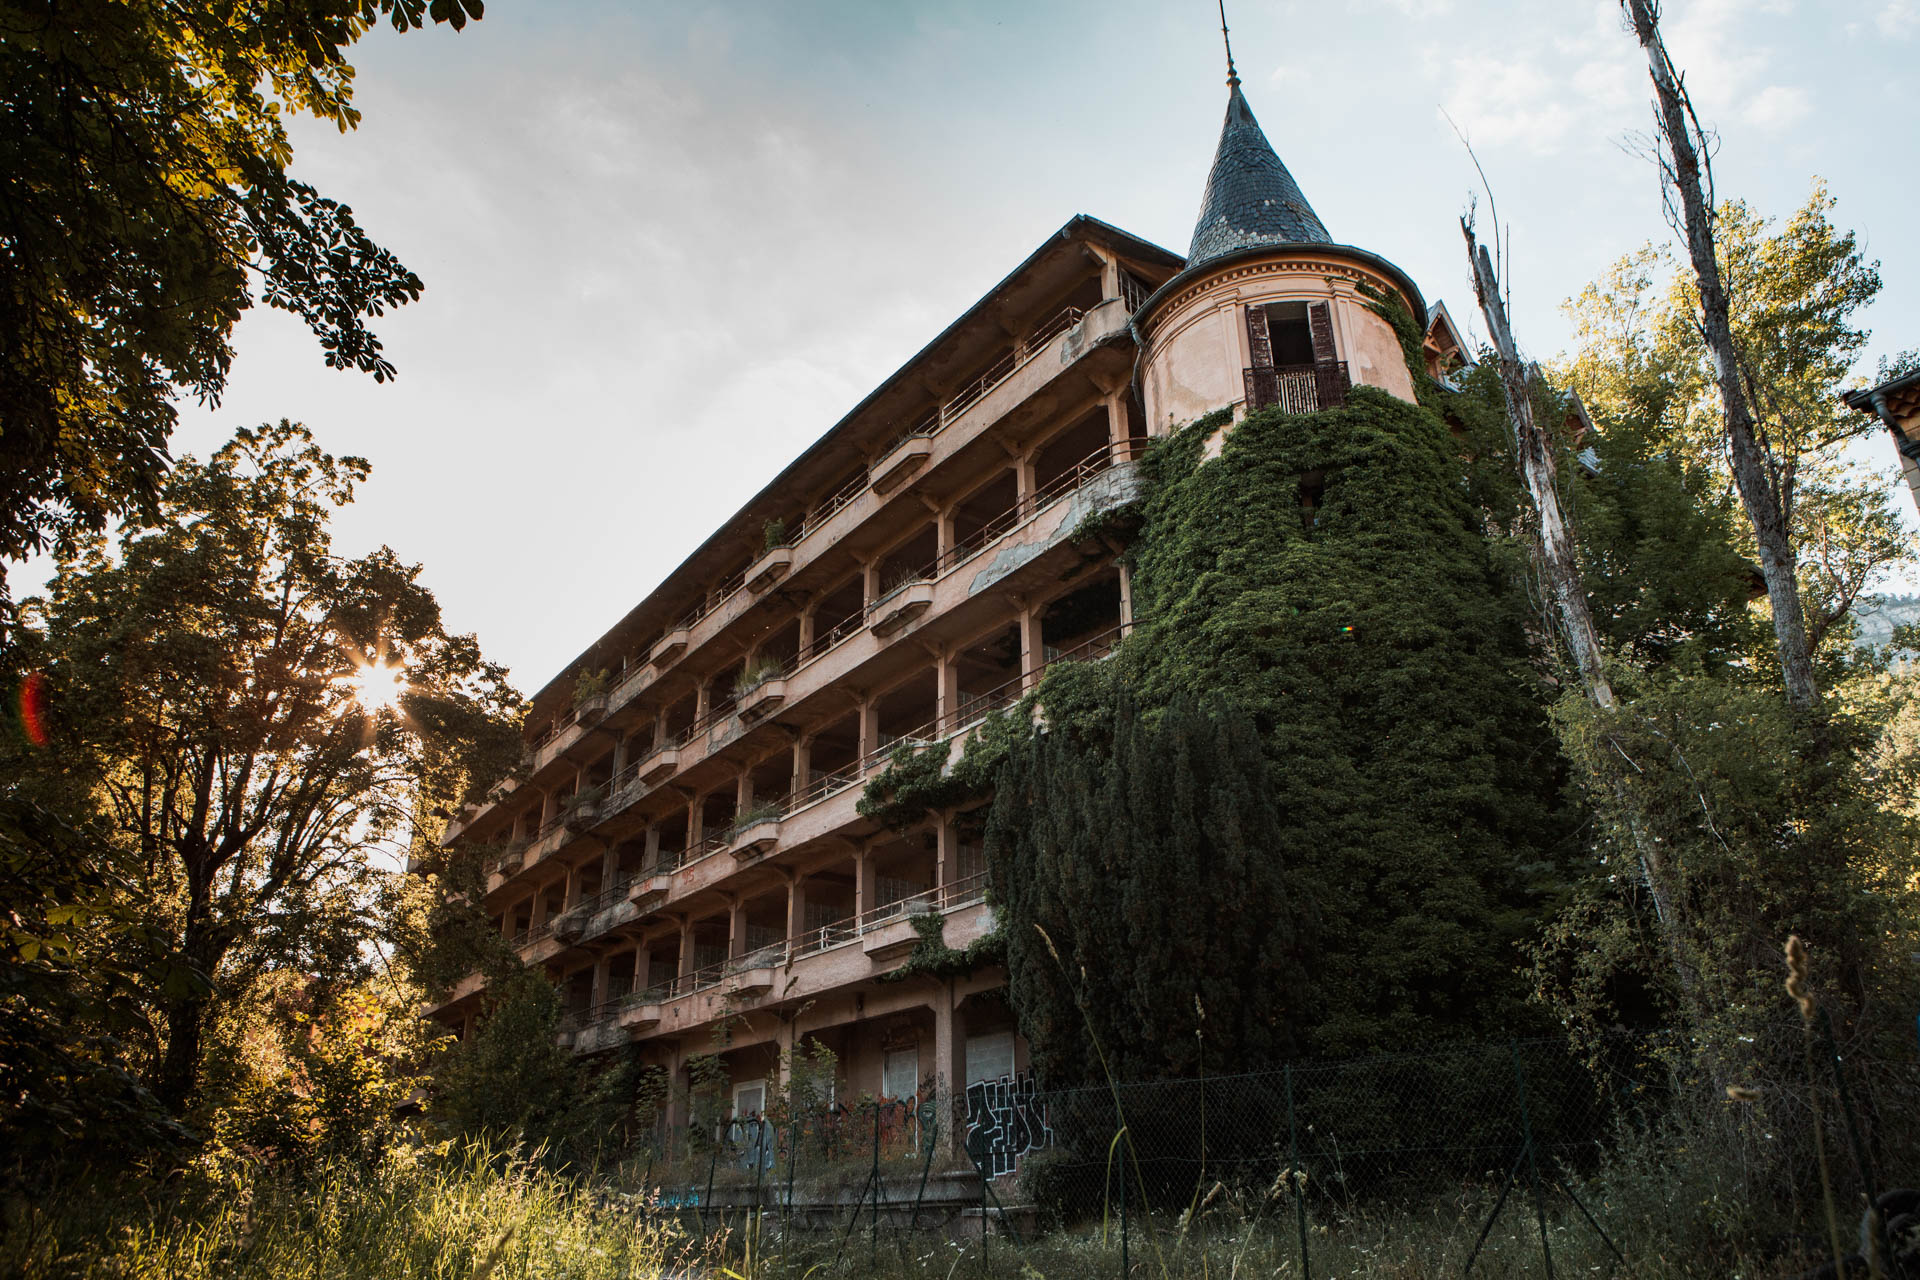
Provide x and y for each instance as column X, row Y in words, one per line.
column 743, row 792
column 736, row 928
column 1031, row 657
column 696, row 821
column 869, row 726
column 538, row 915
column 863, row 887
column 702, row 700
column 660, row 730
column 807, row 616
column 1126, row 593
column 870, row 580
column 651, row 859
column 642, row 964
column 1109, row 274
column 609, row 867
column 946, row 698
column 599, row 995
column 943, row 530
column 947, row 851
column 1024, row 473
column 949, row 1066
column 1117, row 424
column 796, row 906
column 686, row 945
column 802, row 764
column 786, row 1037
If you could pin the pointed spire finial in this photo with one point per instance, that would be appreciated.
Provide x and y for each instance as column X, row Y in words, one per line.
column 1233, row 77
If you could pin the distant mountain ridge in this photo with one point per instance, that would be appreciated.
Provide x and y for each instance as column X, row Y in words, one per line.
column 1877, row 616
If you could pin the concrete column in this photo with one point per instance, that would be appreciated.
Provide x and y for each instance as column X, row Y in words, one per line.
column 538, row 915
column 1109, row 274
column 642, row 964
column 1024, row 473
column 570, row 891
column 863, row 887
column 869, row 726
column 870, row 580
column 609, row 866
column 696, row 821
column 660, row 730
column 1117, row 423
column 796, row 906
column 949, row 1066
column 947, row 851
column 802, row 764
column 943, row 529
column 786, row 1038
column 807, row 616
column 737, row 928
column 1126, row 593
column 946, row 698
column 1031, row 657
column 599, row 996
column 743, row 791
column 652, row 856
column 619, row 757
column 686, row 945
column 702, row 700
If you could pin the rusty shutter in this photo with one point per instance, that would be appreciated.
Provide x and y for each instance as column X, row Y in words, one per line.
column 1259, row 338
column 1320, row 325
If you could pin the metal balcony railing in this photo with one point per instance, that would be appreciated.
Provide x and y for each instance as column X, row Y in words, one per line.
column 1299, row 388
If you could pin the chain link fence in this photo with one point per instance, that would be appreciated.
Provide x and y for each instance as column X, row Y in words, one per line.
column 1525, row 1144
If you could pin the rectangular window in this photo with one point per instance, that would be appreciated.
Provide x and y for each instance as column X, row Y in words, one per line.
column 900, row 1073
column 989, row 1056
column 749, row 1098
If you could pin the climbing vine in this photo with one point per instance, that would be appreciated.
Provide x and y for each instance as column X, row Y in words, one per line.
column 931, row 957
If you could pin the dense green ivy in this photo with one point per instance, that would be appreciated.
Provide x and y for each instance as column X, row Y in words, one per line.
column 931, row 957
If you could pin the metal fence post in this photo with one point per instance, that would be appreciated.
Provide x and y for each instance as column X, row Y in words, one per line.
column 1298, row 1186
column 1533, row 1161
column 873, row 1224
column 1126, row 1262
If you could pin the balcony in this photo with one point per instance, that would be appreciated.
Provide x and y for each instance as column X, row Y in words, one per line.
column 756, row 834
column 769, row 568
column 668, row 647
column 1298, row 388
column 762, row 699
column 650, row 889
column 904, row 457
column 640, row 1011
column 898, row 607
column 660, row 765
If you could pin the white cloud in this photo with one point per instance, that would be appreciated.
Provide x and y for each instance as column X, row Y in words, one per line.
column 1777, row 106
column 1900, row 18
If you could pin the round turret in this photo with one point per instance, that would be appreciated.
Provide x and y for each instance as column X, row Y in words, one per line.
column 1268, row 309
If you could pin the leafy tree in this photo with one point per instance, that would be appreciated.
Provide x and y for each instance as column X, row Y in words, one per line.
column 145, row 203
column 217, row 697
column 1642, row 367
column 512, row 1078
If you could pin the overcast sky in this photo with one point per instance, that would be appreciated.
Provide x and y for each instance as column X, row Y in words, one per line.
column 667, row 245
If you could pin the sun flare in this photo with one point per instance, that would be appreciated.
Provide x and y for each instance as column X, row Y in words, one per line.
column 377, row 686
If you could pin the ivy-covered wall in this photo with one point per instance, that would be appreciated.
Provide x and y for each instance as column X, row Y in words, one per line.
column 1328, row 581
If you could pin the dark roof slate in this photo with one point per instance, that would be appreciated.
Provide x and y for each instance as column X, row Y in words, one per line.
column 1251, row 198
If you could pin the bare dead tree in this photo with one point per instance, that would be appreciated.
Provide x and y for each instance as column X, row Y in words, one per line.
column 1686, row 170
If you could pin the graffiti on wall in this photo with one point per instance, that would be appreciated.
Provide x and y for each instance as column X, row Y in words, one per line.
column 1005, row 1120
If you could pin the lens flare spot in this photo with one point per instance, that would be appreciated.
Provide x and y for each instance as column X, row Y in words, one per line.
column 33, row 708
column 378, row 686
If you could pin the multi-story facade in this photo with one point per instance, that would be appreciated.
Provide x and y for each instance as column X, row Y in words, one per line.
column 1896, row 402
column 682, row 846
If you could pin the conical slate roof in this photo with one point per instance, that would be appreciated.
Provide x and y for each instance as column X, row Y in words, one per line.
column 1251, row 198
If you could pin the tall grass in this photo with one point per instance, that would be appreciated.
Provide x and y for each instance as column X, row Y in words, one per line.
column 473, row 1213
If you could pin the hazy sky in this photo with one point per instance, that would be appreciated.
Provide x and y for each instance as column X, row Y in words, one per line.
column 666, row 246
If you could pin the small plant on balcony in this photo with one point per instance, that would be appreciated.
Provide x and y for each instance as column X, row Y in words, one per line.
column 897, row 578
column 757, row 814
column 589, row 685
column 754, row 675
column 774, row 535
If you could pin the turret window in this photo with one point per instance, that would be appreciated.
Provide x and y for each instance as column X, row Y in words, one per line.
column 1296, row 366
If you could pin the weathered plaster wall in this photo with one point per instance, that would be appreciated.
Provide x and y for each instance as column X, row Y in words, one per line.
column 1196, row 351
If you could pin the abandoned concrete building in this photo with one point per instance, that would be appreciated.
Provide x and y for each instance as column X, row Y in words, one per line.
column 681, row 845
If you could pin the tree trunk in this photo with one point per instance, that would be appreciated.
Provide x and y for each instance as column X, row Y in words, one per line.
column 1535, row 456
column 180, row 1066
column 1758, row 493
column 1533, row 453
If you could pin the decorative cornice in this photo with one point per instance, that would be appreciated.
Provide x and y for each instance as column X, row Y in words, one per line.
column 1330, row 270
